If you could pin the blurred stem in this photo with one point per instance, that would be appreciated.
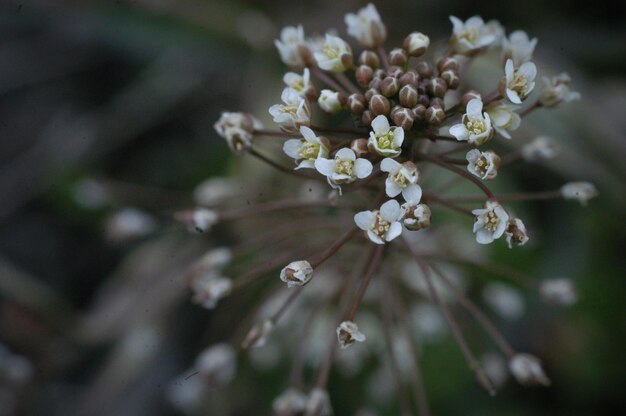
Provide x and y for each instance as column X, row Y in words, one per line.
column 372, row 269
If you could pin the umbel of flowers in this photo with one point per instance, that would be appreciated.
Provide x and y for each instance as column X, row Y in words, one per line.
column 409, row 112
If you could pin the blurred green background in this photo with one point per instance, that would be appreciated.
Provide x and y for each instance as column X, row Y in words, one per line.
column 126, row 92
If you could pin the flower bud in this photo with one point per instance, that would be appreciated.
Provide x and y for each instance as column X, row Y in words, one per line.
column 446, row 63
column 128, row 223
column 331, row 101
column 359, row 147
column 398, row 57
column 364, row 75
column 290, row 403
column 409, row 77
column 203, row 219
column 419, row 112
column 515, row 233
column 370, row 93
column 435, row 115
column 319, row 403
column 380, row 73
column 469, row 96
column 424, row 69
column 375, row 84
column 208, row 289
column 416, row 217
column 557, row 90
column 408, row 96
column 257, row 336
column 451, row 78
column 297, row 273
column 217, row 364
column 580, row 191
column 395, row 71
column 379, row 104
column 366, row 118
column 423, row 99
column 437, row 87
column 356, row 103
column 389, row 86
column 560, row 291
column 403, row 118
column 348, row 333
column 370, row 59
column 416, row 44
column 437, row 101
column 540, row 149
column 527, row 370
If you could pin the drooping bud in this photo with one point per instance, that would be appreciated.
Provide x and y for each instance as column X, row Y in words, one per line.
column 527, row 370
column 297, row 273
column 379, row 104
column 408, row 96
column 398, row 57
column 515, row 233
column 257, row 336
column 416, row 44
column 348, row 333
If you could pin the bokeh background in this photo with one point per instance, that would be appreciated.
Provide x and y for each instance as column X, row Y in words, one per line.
column 110, row 104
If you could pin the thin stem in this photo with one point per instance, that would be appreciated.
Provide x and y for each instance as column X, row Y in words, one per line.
column 283, row 308
column 383, row 56
column 447, row 204
column 334, row 248
column 454, row 161
column 282, row 204
column 455, row 149
column 373, row 268
column 343, row 79
column 530, row 109
column 460, row 172
column 280, row 167
column 274, row 133
column 518, row 196
column 327, row 79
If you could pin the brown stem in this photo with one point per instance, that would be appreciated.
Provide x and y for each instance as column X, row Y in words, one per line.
column 372, row 269
column 519, row 196
column 334, row 248
column 383, row 56
column 327, row 79
column 530, row 109
column 282, row 168
column 460, row 172
column 343, row 79
column 447, row 204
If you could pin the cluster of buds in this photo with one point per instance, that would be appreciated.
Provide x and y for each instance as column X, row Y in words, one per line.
column 407, row 113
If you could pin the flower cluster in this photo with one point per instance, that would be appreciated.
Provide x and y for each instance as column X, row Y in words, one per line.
column 410, row 116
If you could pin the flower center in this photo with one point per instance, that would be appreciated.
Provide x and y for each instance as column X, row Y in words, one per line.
column 309, row 150
column 298, row 85
column 344, row 167
column 289, row 109
column 470, row 34
column 482, row 164
column 330, row 51
column 491, row 221
column 385, row 140
column 345, row 337
column 400, row 179
column 475, row 126
column 519, row 84
column 380, row 226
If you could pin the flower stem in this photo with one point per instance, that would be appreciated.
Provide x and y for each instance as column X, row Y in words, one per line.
column 373, row 267
column 334, row 248
column 327, row 79
column 460, row 172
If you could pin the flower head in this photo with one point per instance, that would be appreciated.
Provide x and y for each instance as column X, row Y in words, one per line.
column 483, row 164
column 345, row 167
column 518, row 82
column 348, row 333
column 209, row 288
column 237, row 129
column 366, row 26
column 301, row 83
column 504, row 119
column 518, row 47
column 331, row 101
column 295, row 111
column 402, row 179
column 381, row 225
column 559, row 291
column 470, row 37
column 527, row 370
column 307, row 151
column 515, row 233
column 292, row 47
column 297, row 273
column 580, row 191
column 490, row 222
column 416, row 216
column 557, row 90
column 476, row 125
column 385, row 140
column 335, row 54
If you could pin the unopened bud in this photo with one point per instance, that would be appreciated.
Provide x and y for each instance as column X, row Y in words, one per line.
column 403, row 118
column 515, row 233
column 408, row 96
column 527, row 370
column 380, row 73
column 348, row 333
column 409, row 77
column 356, row 103
column 435, row 115
column 395, row 71
column 398, row 57
column 424, row 100
column 364, row 75
column 366, row 118
column 416, row 217
column 424, row 69
column 389, row 86
column 436, row 101
column 359, row 147
column 437, row 87
column 379, row 104
column 451, row 78
column 416, row 44
column 331, row 101
column 559, row 291
column 446, row 63
column 375, row 84
column 370, row 93
column 469, row 96
column 419, row 112
column 370, row 59
column 297, row 273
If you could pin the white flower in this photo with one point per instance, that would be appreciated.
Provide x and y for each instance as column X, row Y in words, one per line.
column 515, row 233
column 348, row 333
column 520, row 82
column 540, row 149
column 344, row 168
column 556, row 90
column 559, row 291
column 258, row 334
column 295, row 111
column 297, row 273
column 300, row 83
column 416, row 44
column 128, row 223
column 329, row 101
column 335, row 55
column 527, row 370
column 291, row 402
column 518, row 47
column 217, row 363
column 203, row 219
column 580, row 191
column 476, row 125
column 504, row 119
column 381, row 225
column 237, row 129
column 385, row 140
column 366, row 26
column 214, row 260
column 505, row 300
column 416, row 216
column 318, row 404
column 402, row 179
column 490, row 222
column 495, row 28
column 306, row 151
column 209, row 288
column 471, row 36
column 292, row 47
column 483, row 164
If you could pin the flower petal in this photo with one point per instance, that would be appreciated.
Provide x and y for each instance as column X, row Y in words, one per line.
column 345, row 154
column 395, row 229
column 292, row 148
column 391, row 188
column 390, row 165
column 362, row 168
column 325, row 166
column 412, row 193
column 380, row 124
column 459, row 132
column 390, row 211
column 475, row 108
column 365, row 219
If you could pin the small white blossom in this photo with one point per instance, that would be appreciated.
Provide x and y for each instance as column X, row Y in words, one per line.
column 416, row 216
column 237, row 129
column 295, row 111
column 385, row 140
column 258, row 334
column 335, row 55
column 209, row 288
column 128, row 223
column 557, row 90
column 300, row 83
column 348, row 333
column 291, row 402
column 217, row 363
column 319, row 403
column 490, row 222
column 559, row 291
column 476, row 125
column 527, row 370
column 381, row 225
column 215, row 190
column 580, row 191
column 344, row 168
column 494, row 365
column 203, row 219
column 402, row 179
column 518, row 82
column 504, row 119
column 297, row 273
column 307, row 151
column 505, row 301
column 515, row 233
column 495, row 28
column 471, row 36
column 329, row 101
column 483, row 164
column 214, row 260
column 416, row 44
column 518, row 47
column 292, row 47
column 540, row 149
column 366, row 26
